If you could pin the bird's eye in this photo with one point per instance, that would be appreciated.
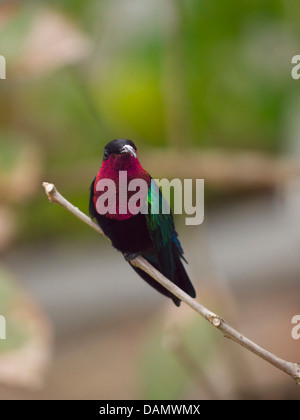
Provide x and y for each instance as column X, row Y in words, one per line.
column 106, row 154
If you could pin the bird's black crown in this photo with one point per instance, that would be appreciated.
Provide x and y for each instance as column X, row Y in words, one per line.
column 115, row 146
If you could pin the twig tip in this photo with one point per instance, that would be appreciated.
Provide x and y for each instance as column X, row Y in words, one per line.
column 50, row 191
column 48, row 187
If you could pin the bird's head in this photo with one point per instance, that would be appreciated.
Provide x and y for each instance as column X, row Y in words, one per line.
column 121, row 155
column 120, row 150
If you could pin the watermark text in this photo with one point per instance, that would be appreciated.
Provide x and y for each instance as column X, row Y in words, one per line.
column 2, row 67
column 137, row 196
column 296, row 329
column 2, row 327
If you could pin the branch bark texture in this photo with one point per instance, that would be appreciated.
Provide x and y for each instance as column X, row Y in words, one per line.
column 291, row 368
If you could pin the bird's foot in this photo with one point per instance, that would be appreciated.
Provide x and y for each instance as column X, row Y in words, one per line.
column 131, row 255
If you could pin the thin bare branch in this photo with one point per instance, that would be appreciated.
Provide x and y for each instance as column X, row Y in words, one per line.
column 292, row 369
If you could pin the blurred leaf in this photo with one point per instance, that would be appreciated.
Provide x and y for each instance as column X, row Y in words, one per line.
column 26, row 350
column 163, row 377
column 65, row 44
column 20, row 166
column 176, row 355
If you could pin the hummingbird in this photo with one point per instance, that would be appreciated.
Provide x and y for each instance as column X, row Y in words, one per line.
column 150, row 234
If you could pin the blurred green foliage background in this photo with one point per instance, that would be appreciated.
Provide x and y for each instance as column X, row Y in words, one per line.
column 195, row 84
column 179, row 73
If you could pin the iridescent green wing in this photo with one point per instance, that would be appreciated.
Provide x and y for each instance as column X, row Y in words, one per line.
column 162, row 230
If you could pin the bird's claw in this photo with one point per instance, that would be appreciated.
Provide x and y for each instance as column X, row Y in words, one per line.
column 130, row 255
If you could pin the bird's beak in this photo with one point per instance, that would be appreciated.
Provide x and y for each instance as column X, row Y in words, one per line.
column 128, row 149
